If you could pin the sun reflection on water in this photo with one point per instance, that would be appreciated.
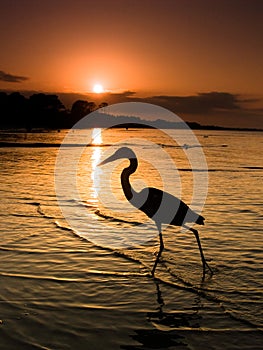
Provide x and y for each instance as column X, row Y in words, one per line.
column 95, row 159
column 96, row 138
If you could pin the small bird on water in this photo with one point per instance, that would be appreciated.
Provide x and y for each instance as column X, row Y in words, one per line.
column 160, row 206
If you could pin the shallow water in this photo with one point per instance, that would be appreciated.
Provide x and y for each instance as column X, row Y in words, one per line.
column 65, row 289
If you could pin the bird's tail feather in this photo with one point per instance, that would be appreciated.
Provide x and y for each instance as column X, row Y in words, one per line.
column 200, row 220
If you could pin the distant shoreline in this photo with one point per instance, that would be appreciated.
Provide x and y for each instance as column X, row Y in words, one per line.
column 19, row 143
column 191, row 125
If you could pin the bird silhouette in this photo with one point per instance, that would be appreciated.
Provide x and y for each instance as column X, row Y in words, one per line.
column 160, row 206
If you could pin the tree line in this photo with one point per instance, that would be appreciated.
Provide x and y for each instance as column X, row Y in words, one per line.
column 41, row 111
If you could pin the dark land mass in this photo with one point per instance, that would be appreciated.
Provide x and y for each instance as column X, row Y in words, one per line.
column 40, row 112
column 191, row 125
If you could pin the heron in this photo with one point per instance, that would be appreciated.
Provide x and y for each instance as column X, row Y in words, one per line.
column 160, row 206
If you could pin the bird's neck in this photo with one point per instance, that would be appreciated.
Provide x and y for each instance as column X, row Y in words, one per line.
column 125, row 178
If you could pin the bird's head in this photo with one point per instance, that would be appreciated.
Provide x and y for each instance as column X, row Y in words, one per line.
column 121, row 153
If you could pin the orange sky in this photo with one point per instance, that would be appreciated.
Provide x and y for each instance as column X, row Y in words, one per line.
column 169, row 47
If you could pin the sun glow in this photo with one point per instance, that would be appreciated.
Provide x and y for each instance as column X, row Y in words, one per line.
column 98, row 88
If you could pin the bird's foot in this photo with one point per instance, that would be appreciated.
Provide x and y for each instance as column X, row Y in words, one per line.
column 156, row 252
column 207, row 269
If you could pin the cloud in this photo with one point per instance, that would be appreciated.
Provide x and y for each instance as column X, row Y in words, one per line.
column 207, row 108
column 123, row 94
column 10, row 78
column 202, row 103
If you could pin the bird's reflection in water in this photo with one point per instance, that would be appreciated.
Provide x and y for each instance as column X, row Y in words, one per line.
column 155, row 339
column 173, row 319
column 167, row 325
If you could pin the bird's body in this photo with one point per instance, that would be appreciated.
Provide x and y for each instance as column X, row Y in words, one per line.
column 160, row 206
column 166, row 208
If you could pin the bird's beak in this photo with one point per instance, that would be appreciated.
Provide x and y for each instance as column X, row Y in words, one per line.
column 107, row 160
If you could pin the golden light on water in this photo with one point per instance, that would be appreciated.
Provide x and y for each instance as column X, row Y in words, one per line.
column 95, row 159
column 96, row 138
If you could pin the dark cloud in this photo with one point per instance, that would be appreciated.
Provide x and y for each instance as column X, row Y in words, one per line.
column 10, row 78
column 123, row 94
column 202, row 103
column 208, row 108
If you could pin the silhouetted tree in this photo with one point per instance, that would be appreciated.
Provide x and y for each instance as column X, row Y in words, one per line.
column 17, row 106
column 79, row 109
column 91, row 106
column 103, row 104
column 45, row 110
column 41, row 111
column 3, row 109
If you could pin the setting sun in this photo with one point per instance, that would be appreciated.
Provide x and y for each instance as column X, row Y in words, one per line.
column 98, row 88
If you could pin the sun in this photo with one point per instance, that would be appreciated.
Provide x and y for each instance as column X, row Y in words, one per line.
column 98, row 89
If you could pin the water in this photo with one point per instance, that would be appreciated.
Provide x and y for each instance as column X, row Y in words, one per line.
column 64, row 289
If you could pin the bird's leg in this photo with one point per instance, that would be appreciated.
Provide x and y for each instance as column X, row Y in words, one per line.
column 159, row 253
column 204, row 262
column 160, row 249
